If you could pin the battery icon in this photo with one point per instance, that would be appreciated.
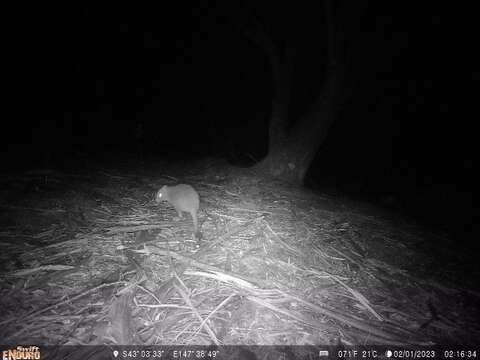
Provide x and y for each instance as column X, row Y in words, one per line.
column 323, row 353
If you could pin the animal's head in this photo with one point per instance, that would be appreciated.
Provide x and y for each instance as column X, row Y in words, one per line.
column 160, row 196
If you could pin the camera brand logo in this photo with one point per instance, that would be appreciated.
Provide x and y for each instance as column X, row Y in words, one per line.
column 22, row 353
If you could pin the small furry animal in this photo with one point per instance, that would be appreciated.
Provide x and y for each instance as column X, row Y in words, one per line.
column 183, row 198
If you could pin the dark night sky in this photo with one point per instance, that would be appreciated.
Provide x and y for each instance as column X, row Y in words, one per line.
column 78, row 77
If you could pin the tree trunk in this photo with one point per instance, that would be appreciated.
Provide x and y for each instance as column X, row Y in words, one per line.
column 290, row 155
column 292, row 151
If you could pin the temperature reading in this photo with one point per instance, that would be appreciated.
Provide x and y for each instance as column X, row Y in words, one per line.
column 347, row 354
column 369, row 354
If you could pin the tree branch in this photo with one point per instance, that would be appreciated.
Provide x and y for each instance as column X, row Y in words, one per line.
column 258, row 35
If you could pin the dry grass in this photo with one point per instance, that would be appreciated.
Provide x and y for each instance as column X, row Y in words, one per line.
column 93, row 260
